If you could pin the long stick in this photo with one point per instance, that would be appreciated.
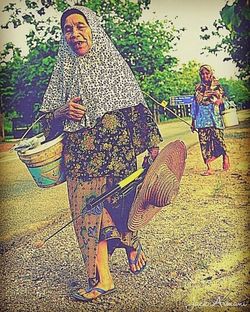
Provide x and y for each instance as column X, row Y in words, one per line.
column 166, row 108
column 122, row 184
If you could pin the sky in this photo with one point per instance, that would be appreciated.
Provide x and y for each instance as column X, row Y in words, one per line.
column 191, row 14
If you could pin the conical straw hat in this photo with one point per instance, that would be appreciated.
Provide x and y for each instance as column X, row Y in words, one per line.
column 160, row 185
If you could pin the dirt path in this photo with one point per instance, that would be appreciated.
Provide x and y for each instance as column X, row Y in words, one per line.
column 197, row 251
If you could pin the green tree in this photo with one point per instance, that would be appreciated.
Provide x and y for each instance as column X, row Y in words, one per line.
column 233, row 30
column 23, row 79
column 236, row 90
column 188, row 77
column 172, row 82
column 163, row 84
column 145, row 46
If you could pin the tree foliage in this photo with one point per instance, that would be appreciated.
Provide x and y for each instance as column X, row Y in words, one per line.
column 236, row 90
column 235, row 20
column 146, row 46
column 166, row 83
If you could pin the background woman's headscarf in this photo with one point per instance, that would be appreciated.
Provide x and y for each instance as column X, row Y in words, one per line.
column 102, row 78
column 207, row 93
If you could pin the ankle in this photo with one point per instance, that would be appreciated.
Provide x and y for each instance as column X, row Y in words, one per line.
column 209, row 169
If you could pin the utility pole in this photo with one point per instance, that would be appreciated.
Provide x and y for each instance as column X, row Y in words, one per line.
column 2, row 134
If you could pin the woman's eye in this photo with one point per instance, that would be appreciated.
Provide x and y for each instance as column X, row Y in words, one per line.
column 67, row 29
column 81, row 27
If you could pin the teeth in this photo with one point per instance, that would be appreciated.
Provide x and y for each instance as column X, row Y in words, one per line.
column 78, row 44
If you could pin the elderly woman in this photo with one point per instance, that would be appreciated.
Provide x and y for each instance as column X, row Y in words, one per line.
column 94, row 98
column 206, row 118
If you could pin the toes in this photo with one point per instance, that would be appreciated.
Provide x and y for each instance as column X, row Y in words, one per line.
column 143, row 258
column 93, row 294
column 133, row 267
column 140, row 263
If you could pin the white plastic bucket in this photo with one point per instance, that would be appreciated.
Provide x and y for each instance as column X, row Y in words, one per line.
column 45, row 162
column 230, row 117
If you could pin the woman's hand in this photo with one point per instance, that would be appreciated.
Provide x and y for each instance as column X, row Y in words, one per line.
column 72, row 110
column 218, row 102
column 75, row 110
column 153, row 152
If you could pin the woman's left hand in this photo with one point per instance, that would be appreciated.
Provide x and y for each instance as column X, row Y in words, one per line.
column 218, row 102
column 153, row 152
column 76, row 110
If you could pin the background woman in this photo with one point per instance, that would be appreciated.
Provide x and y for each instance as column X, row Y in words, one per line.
column 94, row 98
column 206, row 118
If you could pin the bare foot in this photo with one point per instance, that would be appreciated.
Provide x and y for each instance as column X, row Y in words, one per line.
column 209, row 170
column 207, row 173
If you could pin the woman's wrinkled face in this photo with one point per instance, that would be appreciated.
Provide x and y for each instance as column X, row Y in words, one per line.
column 77, row 34
column 206, row 75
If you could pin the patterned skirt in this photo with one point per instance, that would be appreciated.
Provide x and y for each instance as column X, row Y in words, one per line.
column 212, row 143
column 95, row 224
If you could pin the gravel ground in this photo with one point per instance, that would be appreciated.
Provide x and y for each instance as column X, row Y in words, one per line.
column 197, row 251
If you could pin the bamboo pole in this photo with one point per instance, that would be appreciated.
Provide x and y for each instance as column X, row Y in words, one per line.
column 164, row 105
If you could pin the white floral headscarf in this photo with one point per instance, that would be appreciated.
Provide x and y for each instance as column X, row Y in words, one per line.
column 102, row 78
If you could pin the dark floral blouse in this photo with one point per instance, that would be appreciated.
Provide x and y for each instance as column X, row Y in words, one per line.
column 110, row 148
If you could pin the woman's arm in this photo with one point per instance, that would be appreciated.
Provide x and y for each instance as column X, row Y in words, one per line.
column 52, row 123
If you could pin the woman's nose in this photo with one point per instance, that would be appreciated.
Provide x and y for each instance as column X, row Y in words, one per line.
column 74, row 32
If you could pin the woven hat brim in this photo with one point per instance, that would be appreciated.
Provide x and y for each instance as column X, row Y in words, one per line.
column 160, row 185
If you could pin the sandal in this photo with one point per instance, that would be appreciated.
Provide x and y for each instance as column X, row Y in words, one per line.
column 77, row 296
column 135, row 261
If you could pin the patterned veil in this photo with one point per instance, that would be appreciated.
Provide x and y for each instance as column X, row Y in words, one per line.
column 102, row 78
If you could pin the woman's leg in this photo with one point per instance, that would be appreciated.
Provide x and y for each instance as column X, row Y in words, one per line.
column 102, row 263
column 105, row 279
column 135, row 255
column 206, row 148
column 209, row 170
column 127, row 239
column 212, row 146
column 226, row 163
column 221, row 147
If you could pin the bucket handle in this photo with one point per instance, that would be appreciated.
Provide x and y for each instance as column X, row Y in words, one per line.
column 28, row 130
